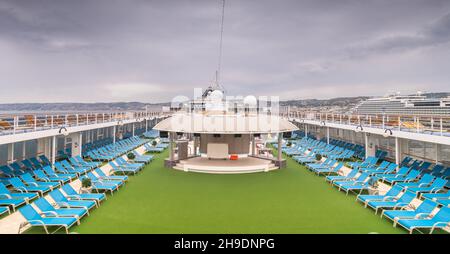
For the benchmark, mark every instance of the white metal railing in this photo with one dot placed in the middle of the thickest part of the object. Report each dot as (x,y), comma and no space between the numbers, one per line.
(14,124)
(434,125)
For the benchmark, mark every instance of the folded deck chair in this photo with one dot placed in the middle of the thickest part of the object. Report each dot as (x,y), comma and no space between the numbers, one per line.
(440,220)
(36,220)
(50,211)
(94,178)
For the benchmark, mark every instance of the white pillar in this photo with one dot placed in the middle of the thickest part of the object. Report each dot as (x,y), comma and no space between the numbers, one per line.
(280,138)
(366,144)
(171,151)
(114,134)
(132,130)
(24,150)
(306,130)
(53,150)
(146,125)
(397,151)
(328,135)
(10,153)
(253,145)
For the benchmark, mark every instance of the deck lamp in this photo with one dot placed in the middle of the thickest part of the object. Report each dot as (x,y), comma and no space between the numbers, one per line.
(387,133)
(359,128)
(63,131)
(323,123)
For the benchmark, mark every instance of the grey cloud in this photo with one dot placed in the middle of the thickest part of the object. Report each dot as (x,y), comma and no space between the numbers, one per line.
(111,50)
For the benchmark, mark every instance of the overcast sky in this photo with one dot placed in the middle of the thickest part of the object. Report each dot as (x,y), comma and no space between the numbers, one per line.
(150,51)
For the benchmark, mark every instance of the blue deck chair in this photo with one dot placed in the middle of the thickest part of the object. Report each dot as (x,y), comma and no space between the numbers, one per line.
(444,202)
(36,163)
(36,220)
(391,193)
(63,201)
(18,185)
(42,176)
(29,180)
(28,164)
(4,209)
(94,178)
(121,161)
(436,170)
(436,186)
(142,158)
(50,211)
(440,220)
(393,203)
(45,160)
(122,169)
(330,170)
(60,168)
(405,161)
(436,196)
(91,163)
(401,172)
(383,165)
(411,176)
(103,176)
(70,167)
(104,186)
(425,180)
(7,171)
(424,209)
(73,194)
(20,195)
(351,175)
(13,202)
(50,172)
(78,164)
(17,168)
(360,184)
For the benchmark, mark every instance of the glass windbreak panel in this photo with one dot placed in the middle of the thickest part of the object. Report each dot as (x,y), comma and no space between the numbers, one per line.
(416,149)
(444,155)
(3,154)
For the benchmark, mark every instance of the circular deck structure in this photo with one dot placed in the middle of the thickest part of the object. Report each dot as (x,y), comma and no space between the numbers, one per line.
(221,142)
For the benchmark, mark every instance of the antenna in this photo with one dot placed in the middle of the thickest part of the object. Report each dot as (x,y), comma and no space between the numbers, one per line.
(219,64)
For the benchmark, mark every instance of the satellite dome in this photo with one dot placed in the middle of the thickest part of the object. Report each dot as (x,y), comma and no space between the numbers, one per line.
(216,95)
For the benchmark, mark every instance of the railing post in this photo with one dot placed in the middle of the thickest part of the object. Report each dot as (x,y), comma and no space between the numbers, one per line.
(77,119)
(51,124)
(441,126)
(35,123)
(417,125)
(399,123)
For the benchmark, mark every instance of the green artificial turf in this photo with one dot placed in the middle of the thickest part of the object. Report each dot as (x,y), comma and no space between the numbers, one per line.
(291,200)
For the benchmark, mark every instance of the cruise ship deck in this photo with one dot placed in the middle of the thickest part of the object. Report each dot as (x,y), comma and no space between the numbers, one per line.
(41,157)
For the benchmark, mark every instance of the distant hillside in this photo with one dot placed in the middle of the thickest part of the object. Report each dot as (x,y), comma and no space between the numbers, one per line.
(342,102)
(79,107)
(130,106)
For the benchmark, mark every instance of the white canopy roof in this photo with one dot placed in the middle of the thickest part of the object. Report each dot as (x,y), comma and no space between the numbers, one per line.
(225,123)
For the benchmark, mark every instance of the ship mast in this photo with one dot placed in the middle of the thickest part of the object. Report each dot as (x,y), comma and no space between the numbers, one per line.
(219,63)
